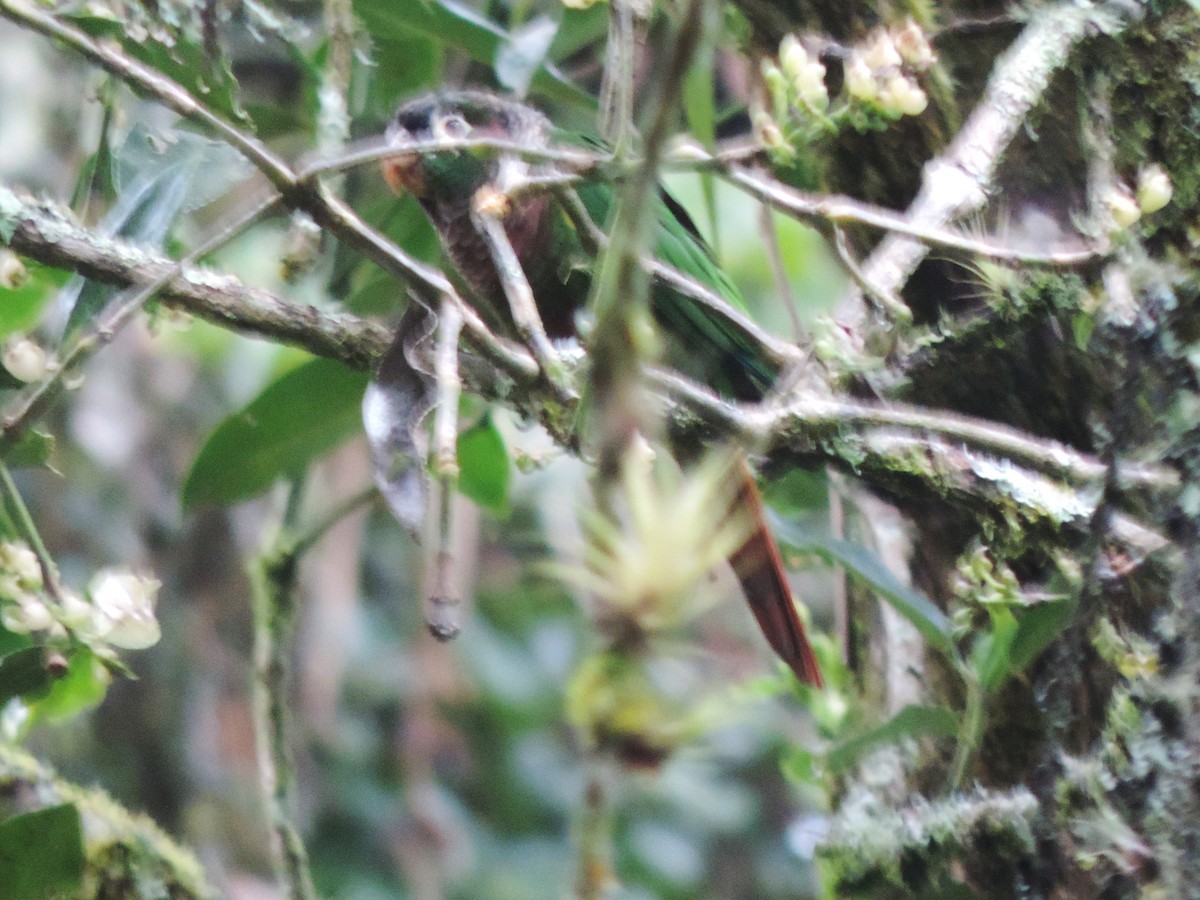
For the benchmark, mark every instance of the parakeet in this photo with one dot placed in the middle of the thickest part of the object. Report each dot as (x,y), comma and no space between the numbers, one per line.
(699,342)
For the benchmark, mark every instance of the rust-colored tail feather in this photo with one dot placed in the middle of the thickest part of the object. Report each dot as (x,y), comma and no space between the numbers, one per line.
(759,568)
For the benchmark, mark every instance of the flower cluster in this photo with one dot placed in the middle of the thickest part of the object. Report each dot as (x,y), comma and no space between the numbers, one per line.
(119,611)
(880,85)
(880,72)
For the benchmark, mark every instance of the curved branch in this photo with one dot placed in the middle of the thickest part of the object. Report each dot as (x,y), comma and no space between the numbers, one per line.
(841,431)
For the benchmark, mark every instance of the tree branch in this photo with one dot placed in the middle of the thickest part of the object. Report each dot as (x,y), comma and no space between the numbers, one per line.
(803,424)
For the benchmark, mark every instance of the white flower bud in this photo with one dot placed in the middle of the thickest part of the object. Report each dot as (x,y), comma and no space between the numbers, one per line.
(10,587)
(1154,189)
(28,615)
(13,273)
(124,608)
(17,560)
(1122,207)
(881,53)
(793,58)
(913,46)
(683,148)
(579,4)
(809,85)
(24,359)
(76,613)
(770,135)
(860,81)
(901,96)
(914,101)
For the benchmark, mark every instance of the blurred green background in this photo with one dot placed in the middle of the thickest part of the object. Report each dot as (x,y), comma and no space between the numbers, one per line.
(426,770)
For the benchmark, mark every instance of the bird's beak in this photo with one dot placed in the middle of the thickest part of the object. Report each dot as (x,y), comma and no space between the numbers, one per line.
(403,172)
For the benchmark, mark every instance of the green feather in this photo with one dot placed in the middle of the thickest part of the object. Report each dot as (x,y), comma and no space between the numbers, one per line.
(703,345)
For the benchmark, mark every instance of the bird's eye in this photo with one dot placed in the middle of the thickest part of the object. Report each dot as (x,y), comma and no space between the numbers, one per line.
(451,127)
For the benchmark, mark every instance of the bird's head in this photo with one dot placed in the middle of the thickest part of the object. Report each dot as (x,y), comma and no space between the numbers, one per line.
(453,175)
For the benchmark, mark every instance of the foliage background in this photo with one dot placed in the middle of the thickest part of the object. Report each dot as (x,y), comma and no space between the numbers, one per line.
(1009,425)
(425,770)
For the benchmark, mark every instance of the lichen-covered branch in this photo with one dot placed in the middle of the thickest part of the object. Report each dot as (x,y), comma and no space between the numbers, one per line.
(273,580)
(818,428)
(124,850)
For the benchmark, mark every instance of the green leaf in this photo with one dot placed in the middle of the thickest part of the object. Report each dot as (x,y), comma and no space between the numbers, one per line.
(33,448)
(41,854)
(578,29)
(402,66)
(912,721)
(798,491)
(1038,626)
(11,642)
(860,562)
(518,58)
(800,767)
(455,25)
(82,687)
(700,107)
(185,61)
(21,309)
(991,654)
(24,674)
(485,474)
(295,420)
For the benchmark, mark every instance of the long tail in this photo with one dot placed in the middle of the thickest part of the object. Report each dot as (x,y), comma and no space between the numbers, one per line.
(759,568)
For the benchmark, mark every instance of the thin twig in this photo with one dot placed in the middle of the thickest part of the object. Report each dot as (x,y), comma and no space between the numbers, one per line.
(29,531)
(616,89)
(594,877)
(808,417)
(490,226)
(783,284)
(45,233)
(574,161)
(886,301)
(333,119)
(443,605)
(829,209)
(304,540)
(273,581)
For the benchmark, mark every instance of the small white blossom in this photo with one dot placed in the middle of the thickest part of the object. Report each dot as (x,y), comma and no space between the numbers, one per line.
(124,608)
(1154,189)
(25,359)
